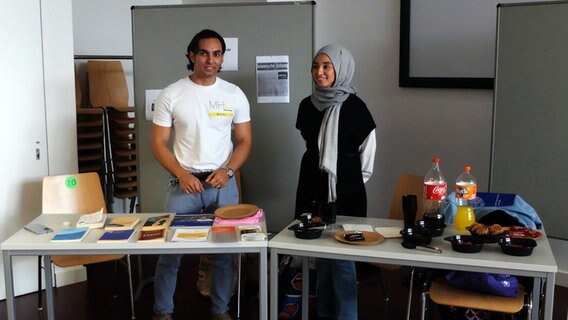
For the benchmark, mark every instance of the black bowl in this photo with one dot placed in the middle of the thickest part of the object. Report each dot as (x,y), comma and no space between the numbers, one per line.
(416,236)
(435,221)
(465,243)
(487,238)
(307,230)
(517,246)
(434,227)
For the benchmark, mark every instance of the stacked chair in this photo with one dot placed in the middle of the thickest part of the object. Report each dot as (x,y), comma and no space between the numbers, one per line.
(108,91)
(91,142)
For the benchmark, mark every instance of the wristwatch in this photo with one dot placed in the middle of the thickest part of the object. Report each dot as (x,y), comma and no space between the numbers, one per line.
(230,172)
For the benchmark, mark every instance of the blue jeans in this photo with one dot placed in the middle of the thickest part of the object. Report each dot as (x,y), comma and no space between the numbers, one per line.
(165,276)
(337,289)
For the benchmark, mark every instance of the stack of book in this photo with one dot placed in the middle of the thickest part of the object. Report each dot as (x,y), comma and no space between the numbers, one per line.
(119,229)
(192,227)
(155,229)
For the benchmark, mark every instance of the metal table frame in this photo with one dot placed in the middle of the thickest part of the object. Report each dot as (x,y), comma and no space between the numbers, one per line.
(540,266)
(25,243)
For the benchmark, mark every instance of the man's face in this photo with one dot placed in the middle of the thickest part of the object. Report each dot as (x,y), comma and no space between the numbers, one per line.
(207,60)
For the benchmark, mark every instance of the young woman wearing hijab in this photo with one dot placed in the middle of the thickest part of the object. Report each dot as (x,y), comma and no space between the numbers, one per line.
(339,132)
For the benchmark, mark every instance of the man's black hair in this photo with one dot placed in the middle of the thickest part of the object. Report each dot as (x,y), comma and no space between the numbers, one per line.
(193,46)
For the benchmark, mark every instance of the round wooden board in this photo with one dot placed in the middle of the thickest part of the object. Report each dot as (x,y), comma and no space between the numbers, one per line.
(236,211)
(370,238)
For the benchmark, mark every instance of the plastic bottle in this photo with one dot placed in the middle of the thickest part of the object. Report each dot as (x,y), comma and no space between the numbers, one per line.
(466,192)
(466,187)
(435,188)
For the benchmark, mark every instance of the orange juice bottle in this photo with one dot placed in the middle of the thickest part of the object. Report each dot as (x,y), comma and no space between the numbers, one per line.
(466,192)
(464,217)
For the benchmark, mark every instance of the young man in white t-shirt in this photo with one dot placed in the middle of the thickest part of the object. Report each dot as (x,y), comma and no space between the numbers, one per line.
(200,111)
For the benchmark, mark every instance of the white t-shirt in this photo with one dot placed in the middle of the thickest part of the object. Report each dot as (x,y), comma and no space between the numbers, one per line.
(202,118)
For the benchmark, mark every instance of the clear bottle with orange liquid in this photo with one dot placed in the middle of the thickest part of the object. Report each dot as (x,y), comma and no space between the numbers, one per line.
(466,192)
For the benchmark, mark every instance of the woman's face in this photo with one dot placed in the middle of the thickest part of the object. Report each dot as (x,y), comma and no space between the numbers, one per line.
(323,71)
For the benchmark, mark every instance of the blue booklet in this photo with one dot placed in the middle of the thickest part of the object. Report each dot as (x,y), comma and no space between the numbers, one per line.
(193,220)
(116,236)
(70,234)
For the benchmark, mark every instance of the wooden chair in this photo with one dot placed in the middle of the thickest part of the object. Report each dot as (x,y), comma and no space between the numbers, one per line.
(108,90)
(443,293)
(77,193)
(407,184)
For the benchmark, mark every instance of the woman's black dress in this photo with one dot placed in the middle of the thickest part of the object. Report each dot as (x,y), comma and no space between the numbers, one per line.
(355,124)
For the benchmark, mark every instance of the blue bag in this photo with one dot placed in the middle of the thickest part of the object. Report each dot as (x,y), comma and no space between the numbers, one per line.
(498,284)
(511,204)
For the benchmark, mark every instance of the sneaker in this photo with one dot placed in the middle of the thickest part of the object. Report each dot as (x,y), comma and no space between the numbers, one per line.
(223,316)
(167,316)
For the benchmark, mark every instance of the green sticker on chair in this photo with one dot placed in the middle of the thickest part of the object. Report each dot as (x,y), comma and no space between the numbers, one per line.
(71,182)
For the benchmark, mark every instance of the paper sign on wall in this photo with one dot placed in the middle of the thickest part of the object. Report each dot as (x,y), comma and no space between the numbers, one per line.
(231,57)
(273,79)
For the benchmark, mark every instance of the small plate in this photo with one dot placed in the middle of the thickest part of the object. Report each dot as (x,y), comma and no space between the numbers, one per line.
(236,211)
(370,238)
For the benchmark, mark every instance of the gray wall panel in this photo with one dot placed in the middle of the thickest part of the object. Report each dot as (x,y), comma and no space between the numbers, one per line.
(161,35)
(530,151)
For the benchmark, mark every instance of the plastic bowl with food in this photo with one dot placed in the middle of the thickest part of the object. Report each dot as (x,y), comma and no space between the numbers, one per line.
(307,230)
(435,228)
(416,236)
(517,246)
(465,243)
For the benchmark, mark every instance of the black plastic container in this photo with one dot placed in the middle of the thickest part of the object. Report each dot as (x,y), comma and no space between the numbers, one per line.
(465,243)
(416,236)
(307,230)
(517,246)
(434,227)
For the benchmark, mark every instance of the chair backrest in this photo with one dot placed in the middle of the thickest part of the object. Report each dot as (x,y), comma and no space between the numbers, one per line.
(107,84)
(72,193)
(407,184)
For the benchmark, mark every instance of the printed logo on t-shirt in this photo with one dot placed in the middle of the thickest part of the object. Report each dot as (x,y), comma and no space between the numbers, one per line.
(220,109)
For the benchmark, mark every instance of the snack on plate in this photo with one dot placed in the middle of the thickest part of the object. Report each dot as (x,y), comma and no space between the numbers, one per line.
(523,232)
(483,230)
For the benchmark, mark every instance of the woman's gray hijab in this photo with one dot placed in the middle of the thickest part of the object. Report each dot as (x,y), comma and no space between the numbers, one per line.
(330,99)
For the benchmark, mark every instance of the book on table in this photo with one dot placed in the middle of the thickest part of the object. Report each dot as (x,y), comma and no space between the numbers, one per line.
(192,220)
(122,222)
(157,222)
(70,234)
(223,233)
(191,234)
(116,235)
(95,220)
(251,232)
(154,235)
(155,228)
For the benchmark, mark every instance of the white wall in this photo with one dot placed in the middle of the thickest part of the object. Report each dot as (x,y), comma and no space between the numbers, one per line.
(413,124)
(38,108)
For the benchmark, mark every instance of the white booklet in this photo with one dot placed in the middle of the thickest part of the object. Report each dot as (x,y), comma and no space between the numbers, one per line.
(93,220)
(358,227)
(190,234)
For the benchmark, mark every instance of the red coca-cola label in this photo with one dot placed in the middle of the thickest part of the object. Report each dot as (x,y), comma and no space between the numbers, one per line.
(435,191)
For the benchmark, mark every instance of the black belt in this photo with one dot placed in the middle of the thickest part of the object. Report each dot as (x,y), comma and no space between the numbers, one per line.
(201,175)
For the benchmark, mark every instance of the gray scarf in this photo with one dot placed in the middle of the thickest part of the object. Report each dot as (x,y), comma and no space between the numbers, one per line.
(330,100)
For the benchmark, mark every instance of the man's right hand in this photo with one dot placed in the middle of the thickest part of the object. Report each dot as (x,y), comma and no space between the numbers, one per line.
(190,184)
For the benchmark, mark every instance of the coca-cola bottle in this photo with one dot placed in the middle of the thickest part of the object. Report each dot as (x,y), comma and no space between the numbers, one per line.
(435,187)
